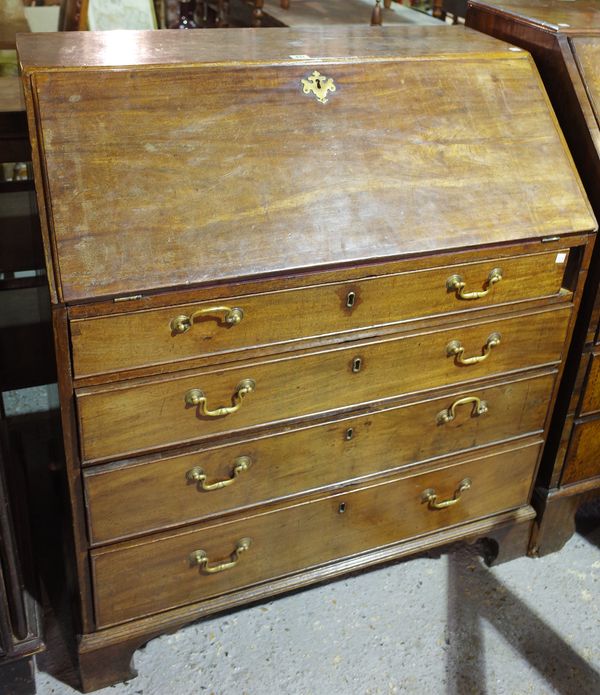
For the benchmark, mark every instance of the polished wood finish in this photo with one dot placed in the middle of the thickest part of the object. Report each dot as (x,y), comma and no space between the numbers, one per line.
(105,656)
(104,343)
(101,50)
(107,253)
(584,453)
(284,209)
(136,418)
(302,535)
(156,493)
(564,39)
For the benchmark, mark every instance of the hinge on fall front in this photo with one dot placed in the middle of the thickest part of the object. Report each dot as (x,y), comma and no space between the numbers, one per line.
(131,298)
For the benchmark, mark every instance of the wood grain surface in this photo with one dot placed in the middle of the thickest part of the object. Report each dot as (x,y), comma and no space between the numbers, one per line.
(129,418)
(142,338)
(295,182)
(302,535)
(74,50)
(156,493)
(556,15)
(583,457)
(564,39)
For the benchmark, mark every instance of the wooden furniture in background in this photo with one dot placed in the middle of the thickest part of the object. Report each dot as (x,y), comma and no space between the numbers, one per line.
(456,9)
(73,15)
(564,39)
(333,12)
(26,346)
(333,334)
(26,359)
(20,629)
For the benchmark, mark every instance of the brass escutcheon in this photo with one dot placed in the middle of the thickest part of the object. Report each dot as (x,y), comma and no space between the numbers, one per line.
(318,85)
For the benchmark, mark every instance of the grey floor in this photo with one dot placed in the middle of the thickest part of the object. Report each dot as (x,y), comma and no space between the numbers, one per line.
(432,624)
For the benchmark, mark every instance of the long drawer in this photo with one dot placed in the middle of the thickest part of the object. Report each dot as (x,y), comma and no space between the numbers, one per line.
(145,577)
(161,492)
(131,418)
(135,339)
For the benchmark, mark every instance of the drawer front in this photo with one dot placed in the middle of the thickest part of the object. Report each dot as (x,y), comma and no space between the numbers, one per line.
(130,419)
(156,574)
(591,396)
(162,493)
(143,338)
(583,457)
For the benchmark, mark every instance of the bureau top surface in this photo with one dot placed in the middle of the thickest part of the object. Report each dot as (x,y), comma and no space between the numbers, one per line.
(174,159)
(105,49)
(569,16)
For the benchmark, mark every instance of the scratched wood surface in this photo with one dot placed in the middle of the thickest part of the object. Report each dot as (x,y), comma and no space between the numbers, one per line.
(302,535)
(135,417)
(90,50)
(152,192)
(103,344)
(156,493)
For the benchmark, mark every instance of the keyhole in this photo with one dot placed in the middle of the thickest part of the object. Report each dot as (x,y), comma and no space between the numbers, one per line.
(350,299)
(349,433)
(342,508)
(318,84)
(356,364)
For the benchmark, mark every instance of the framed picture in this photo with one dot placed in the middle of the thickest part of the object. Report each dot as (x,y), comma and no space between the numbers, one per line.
(120,14)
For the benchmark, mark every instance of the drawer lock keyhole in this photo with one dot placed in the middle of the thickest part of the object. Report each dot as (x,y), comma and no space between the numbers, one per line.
(356,364)
(350,299)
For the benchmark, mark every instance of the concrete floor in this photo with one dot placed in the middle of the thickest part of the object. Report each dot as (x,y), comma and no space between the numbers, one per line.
(431,624)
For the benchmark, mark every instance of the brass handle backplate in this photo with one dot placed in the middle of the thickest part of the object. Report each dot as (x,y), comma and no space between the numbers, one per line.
(200,558)
(196,397)
(456,283)
(479,408)
(455,349)
(430,496)
(183,323)
(197,474)
(318,85)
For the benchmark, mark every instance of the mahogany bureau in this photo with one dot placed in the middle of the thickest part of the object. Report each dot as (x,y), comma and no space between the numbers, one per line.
(564,39)
(312,291)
